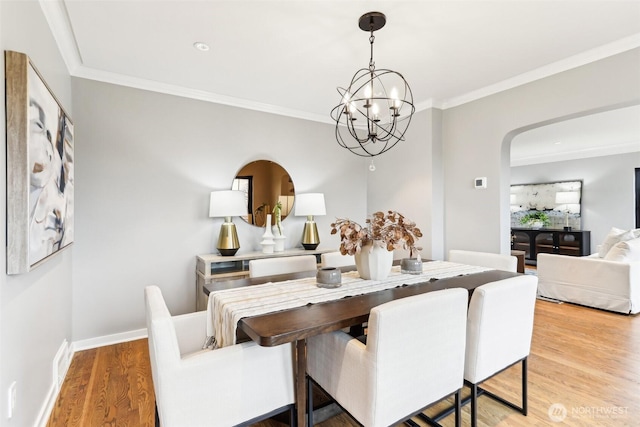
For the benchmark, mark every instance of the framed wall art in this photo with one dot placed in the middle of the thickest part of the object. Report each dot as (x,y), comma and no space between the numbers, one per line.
(39,168)
(561,201)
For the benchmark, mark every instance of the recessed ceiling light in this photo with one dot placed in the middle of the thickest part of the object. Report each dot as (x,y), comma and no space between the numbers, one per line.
(557,143)
(201,46)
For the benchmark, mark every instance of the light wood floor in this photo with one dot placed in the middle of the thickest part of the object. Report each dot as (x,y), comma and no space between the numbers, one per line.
(583,360)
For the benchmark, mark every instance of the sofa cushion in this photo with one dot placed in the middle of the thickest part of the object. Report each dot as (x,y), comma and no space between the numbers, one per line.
(627,251)
(615,236)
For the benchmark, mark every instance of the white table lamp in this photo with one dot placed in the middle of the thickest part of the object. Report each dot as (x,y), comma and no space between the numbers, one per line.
(308,205)
(567,198)
(226,204)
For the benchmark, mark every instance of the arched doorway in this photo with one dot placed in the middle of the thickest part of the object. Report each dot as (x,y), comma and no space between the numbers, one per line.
(583,146)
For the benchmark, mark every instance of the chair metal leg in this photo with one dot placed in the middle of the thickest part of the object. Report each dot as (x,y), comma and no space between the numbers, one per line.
(458,409)
(293,422)
(474,404)
(524,386)
(309,402)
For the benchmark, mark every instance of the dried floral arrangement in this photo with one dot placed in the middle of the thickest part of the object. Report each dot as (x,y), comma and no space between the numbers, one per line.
(390,230)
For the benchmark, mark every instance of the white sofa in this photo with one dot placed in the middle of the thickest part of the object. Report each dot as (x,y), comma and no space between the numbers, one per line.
(484,259)
(590,281)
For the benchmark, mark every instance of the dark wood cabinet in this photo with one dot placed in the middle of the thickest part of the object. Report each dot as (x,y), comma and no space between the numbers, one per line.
(533,242)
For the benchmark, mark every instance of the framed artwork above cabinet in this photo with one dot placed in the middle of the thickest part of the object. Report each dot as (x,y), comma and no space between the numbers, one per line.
(560,200)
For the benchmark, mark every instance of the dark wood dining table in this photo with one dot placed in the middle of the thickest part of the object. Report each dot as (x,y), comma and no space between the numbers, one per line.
(297,324)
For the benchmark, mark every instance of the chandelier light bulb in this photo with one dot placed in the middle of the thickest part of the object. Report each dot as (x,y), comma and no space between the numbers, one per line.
(375,110)
(372,167)
(395,102)
(352,109)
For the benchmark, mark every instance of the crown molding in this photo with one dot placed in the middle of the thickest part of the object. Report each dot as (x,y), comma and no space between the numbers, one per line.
(575,61)
(629,147)
(58,19)
(154,86)
(429,103)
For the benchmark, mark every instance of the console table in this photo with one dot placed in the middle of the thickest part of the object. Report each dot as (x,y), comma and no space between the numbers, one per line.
(212,268)
(544,240)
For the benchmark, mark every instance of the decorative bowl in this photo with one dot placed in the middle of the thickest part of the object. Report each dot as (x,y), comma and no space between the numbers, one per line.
(329,277)
(411,266)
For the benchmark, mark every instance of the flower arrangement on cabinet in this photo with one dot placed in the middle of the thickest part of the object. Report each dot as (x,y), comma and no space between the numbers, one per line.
(537,216)
(390,230)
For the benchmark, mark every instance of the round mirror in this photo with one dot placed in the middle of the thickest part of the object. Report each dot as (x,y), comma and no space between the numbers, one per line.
(265,183)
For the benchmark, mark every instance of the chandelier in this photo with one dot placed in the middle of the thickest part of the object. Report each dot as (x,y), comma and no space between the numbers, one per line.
(377,106)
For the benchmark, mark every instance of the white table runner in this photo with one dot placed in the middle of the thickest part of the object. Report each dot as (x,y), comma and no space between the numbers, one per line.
(227,307)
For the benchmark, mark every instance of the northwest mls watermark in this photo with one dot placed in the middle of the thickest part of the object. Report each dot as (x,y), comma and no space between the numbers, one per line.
(558,412)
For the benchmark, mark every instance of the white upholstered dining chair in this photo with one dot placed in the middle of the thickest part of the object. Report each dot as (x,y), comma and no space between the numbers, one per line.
(484,259)
(414,356)
(282,265)
(235,385)
(336,259)
(499,331)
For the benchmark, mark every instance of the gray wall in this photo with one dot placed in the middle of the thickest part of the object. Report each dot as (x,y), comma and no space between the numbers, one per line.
(145,165)
(409,179)
(477,137)
(35,308)
(608,192)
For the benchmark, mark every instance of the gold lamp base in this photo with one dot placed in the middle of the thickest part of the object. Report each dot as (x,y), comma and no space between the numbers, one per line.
(228,243)
(310,238)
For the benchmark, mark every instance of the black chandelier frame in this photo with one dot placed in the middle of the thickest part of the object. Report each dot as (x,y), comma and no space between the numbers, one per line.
(368,85)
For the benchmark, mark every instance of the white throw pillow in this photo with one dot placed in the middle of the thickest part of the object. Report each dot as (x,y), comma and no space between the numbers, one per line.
(616,235)
(627,251)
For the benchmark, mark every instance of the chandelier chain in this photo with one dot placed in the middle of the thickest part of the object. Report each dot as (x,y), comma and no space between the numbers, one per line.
(372,64)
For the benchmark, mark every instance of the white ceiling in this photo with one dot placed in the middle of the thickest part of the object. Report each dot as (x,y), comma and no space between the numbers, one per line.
(288,57)
(607,133)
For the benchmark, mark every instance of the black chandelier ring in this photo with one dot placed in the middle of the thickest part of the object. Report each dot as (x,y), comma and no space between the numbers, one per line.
(377,106)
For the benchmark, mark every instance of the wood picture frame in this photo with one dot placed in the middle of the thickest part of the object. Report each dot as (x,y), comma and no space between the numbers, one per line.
(40,162)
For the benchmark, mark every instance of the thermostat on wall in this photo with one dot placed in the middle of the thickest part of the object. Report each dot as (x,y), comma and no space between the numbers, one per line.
(481,182)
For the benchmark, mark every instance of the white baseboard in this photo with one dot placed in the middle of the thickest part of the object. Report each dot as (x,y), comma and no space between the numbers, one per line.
(59,367)
(45,411)
(61,363)
(109,340)
(62,360)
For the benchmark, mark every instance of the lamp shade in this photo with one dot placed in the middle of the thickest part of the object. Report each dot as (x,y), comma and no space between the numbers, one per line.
(567,197)
(310,204)
(227,203)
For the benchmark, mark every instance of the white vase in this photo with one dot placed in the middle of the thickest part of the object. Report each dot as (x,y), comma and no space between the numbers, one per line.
(278,243)
(279,238)
(374,262)
(268,243)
